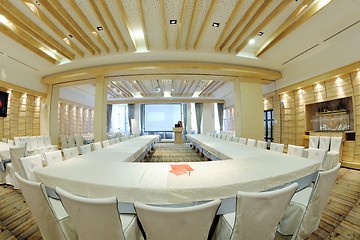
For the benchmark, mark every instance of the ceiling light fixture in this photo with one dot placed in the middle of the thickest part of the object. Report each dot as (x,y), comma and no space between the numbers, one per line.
(251,41)
(173,21)
(38,3)
(157,88)
(100,28)
(216,24)
(260,33)
(71,36)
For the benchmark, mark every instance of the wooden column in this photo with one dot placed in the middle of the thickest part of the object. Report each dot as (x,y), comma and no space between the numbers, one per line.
(100,109)
(249,113)
(53,113)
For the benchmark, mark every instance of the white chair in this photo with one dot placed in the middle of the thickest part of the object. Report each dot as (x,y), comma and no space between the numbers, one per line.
(105,143)
(11,142)
(32,146)
(335,144)
(117,140)
(314,141)
(235,139)
(15,154)
(324,143)
(29,164)
(84,149)
(41,142)
(112,141)
(48,145)
(98,218)
(70,152)
(164,223)
(17,141)
(63,141)
(53,222)
(242,141)
(251,142)
(70,141)
(295,150)
(277,147)
(257,213)
(302,216)
(79,140)
(53,157)
(95,146)
(261,144)
(317,154)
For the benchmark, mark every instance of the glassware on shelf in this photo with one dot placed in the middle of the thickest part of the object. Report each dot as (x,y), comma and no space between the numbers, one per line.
(331,121)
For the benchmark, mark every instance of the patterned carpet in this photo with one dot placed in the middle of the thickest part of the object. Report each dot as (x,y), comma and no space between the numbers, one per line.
(170,152)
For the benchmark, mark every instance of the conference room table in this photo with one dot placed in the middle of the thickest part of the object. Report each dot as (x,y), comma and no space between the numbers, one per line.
(112,172)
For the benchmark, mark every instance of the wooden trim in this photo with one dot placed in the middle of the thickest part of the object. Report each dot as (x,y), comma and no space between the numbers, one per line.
(306,16)
(247,14)
(163,17)
(21,38)
(208,86)
(216,88)
(113,23)
(253,19)
(126,21)
(97,12)
(181,25)
(281,7)
(170,68)
(58,11)
(142,20)
(90,27)
(135,87)
(191,85)
(17,88)
(205,22)
(352,165)
(164,100)
(289,20)
(229,22)
(193,16)
(18,18)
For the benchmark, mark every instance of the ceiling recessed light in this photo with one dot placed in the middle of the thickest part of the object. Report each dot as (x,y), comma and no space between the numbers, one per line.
(260,33)
(173,21)
(216,24)
(100,28)
(37,2)
(251,41)
(71,36)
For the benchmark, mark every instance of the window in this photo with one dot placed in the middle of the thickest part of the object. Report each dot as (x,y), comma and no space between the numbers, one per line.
(119,118)
(268,125)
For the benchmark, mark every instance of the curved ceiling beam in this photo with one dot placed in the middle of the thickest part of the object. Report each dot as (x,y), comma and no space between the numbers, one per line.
(153,68)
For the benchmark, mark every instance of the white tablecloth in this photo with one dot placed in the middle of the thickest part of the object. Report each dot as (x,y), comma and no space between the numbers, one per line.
(109,172)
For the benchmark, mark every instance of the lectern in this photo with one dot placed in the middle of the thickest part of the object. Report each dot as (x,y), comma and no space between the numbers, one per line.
(178,134)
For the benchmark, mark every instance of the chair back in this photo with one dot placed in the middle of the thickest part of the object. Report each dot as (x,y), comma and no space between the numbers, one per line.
(235,139)
(79,140)
(70,141)
(70,152)
(317,154)
(164,223)
(335,144)
(242,141)
(261,144)
(63,141)
(112,141)
(52,157)
(324,143)
(105,143)
(96,146)
(40,141)
(277,147)
(47,141)
(318,200)
(314,142)
(258,213)
(295,150)
(94,219)
(15,154)
(251,142)
(84,149)
(33,145)
(29,164)
(41,209)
